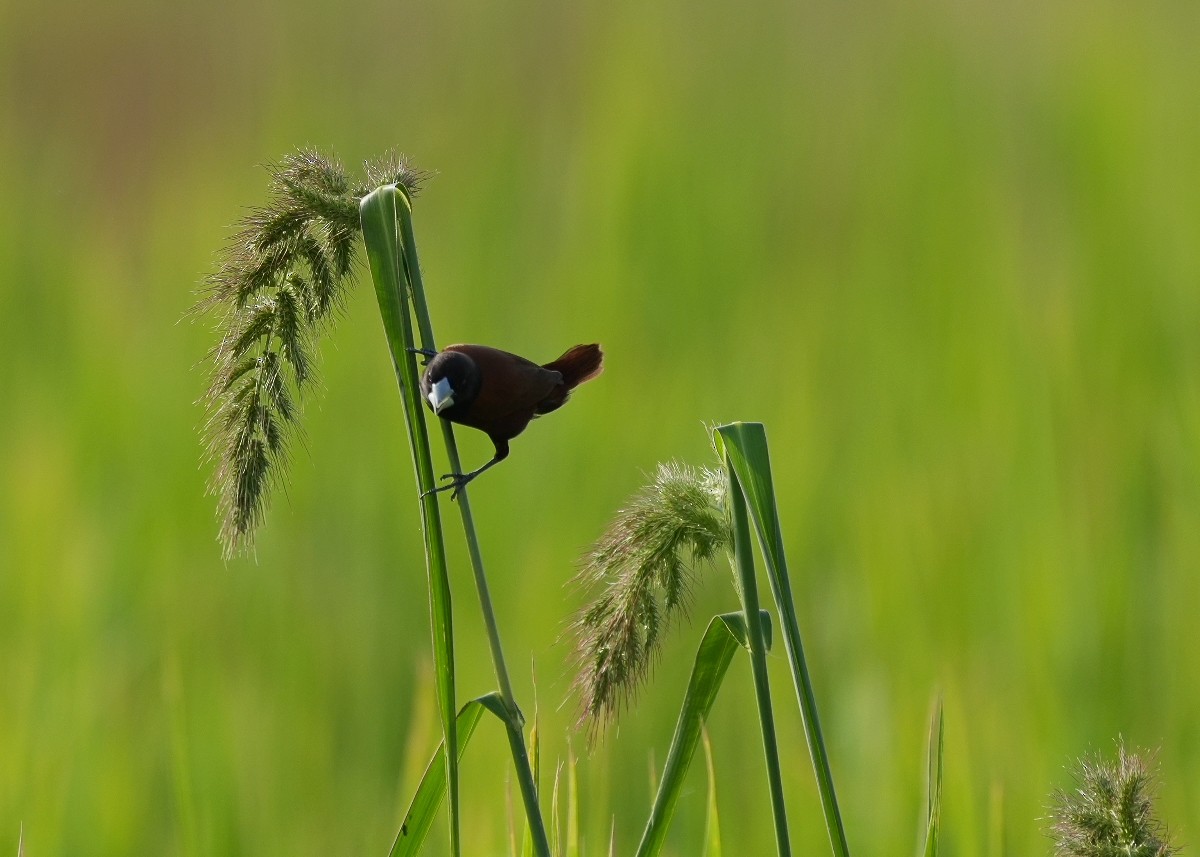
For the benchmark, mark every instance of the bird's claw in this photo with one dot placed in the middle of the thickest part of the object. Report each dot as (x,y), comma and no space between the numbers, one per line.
(458,482)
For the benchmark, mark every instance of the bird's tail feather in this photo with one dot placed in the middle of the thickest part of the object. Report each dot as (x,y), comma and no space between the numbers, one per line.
(579,364)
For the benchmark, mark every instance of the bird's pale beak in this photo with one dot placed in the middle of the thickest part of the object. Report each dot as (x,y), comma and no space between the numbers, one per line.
(441,396)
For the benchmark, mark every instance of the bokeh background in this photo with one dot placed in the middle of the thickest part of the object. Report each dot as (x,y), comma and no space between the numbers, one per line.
(948,251)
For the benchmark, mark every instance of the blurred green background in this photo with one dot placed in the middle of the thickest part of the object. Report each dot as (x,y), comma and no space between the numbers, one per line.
(947,251)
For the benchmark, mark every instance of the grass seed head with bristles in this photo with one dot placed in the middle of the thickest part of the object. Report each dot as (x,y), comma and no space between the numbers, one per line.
(393,168)
(1109,812)
(642,566)
(280,281)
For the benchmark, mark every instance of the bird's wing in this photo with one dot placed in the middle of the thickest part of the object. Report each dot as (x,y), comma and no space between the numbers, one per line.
(510,384)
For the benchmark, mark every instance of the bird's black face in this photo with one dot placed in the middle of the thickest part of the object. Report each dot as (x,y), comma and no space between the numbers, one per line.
(450,384)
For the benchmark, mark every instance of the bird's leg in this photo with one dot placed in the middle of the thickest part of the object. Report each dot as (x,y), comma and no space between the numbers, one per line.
(459,481)
(427,353)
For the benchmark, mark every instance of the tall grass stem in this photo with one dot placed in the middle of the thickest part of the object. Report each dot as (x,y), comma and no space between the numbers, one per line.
(515,720)
(743,555)
(744,447)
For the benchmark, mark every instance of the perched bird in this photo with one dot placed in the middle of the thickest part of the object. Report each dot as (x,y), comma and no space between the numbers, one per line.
(499,393)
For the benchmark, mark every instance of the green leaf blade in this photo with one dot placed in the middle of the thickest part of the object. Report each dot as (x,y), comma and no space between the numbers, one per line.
(724,635)
(378,213)
(933,820)
(424,805)
(712,821)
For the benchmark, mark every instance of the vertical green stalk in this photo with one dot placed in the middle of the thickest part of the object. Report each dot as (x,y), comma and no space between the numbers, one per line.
(378,213)
(743,557)
(515,721)
(744,447)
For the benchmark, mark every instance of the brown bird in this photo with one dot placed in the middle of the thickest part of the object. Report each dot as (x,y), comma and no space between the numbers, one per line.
(499,393)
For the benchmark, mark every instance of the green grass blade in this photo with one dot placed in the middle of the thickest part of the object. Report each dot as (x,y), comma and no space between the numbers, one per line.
(535,755)
(556,828)
(933,821)
(516,740)
(419,818)
(744,446)
(378,213)
(724,635)
(712,822)
(572,849)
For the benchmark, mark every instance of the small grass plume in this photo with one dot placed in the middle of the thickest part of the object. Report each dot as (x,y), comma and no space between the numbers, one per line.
(1109,812)
(642,565)
(280,280)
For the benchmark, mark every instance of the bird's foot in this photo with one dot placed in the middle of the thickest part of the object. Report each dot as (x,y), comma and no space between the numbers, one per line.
(458,481)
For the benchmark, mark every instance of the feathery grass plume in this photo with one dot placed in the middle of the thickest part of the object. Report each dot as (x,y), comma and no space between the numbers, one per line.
(281,279)
(1109,813)
(639,564)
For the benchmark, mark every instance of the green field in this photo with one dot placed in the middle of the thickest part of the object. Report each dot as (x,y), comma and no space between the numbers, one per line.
(949,254)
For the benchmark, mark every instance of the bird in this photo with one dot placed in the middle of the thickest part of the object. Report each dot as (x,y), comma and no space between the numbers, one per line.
(499,393)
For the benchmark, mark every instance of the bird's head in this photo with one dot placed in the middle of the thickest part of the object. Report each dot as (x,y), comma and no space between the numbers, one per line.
(450,382)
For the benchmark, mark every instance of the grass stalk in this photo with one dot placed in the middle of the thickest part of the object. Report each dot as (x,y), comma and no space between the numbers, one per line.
(515,721)
(744,447)
(743,555)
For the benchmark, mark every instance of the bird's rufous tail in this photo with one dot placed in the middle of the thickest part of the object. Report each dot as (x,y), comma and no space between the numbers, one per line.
(579,364)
